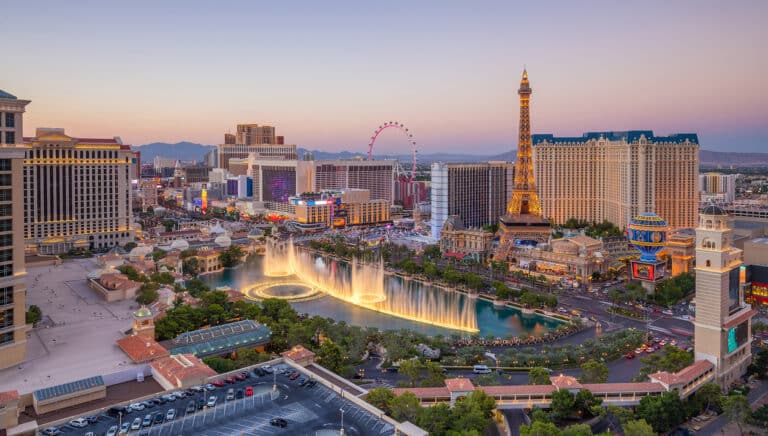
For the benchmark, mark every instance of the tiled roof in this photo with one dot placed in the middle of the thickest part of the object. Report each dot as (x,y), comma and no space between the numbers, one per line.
(629,136)
(518,390)
(180,367)
(8,396)
(459,384)
(565,382)
(298,352)
(68,388)
(600,388)
(685,375)
(424,392)
(141,349)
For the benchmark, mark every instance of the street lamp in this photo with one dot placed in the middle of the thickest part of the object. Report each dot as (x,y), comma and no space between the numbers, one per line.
(341,432)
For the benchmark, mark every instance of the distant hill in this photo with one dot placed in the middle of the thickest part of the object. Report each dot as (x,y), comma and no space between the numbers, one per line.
(180,150)
(193,151)
(725,158)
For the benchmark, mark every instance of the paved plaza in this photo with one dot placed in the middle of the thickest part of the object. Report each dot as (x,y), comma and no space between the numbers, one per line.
(76,338)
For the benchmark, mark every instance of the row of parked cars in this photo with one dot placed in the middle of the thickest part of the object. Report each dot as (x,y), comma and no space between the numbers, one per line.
(192,406)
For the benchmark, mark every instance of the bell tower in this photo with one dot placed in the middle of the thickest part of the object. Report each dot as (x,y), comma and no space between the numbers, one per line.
(723,320)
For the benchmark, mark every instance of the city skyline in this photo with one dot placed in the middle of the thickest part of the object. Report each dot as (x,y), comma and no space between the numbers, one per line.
(328,76)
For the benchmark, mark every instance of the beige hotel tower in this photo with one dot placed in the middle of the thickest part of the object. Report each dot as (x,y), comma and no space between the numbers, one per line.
(723,319)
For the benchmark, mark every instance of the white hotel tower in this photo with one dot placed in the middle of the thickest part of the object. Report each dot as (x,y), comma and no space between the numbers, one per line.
(723,319)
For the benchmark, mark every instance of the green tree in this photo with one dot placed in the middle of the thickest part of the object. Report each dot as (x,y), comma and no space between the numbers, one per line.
(169,225)
(214,297)
(578,430)
(191,266)
(405,407)
(593,372)
(435,375)
(411,368)
(671,359)
(432,252)
(472,412)
(232,256)
(147,293)
(759,364)
(163,278)
(33,315)
(219,364)
(709,396)
(736,410)
(435,419)
(196,287)
(474,281)
(538,376)
(638,428)
(587,404)
(331,356)
(563,404)
(431,271)
(129,246)
(539,428)
(131,273)
(381,398)
(663,411)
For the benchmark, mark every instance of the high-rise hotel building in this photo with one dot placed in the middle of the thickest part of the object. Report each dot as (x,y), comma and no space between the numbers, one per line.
(13,338)
(258,141)
(615,176)
(77,192)
(476,192)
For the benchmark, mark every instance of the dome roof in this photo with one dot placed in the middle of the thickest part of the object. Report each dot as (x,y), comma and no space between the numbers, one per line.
(140,251)
(713,210)
(179,244)
(223,241)
(216,229)
(142,312)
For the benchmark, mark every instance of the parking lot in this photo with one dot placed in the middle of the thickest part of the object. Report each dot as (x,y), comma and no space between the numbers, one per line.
(304,409)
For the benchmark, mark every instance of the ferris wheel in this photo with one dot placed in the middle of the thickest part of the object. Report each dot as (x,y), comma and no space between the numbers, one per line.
(410,175)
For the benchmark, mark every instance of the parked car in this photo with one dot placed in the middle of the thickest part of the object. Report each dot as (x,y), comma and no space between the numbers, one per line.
(230,394)
(240,377)
(117,410)
(259,372)
(248,391)
(111,432)
(191,407)
(158,418)
(79,422)
(137,407)
(93,419)
(311,383)
(53,431)
(278,422)
(197,388)
(148,404)
(209,387)
(630,355)
(201,403)
(239,394)
(136,424)
(125,428)
(302,381)
(211,401)
(169,397)
(170,414)
(218,383)
(147,421)
(294,376)
(267,369)
(229,380)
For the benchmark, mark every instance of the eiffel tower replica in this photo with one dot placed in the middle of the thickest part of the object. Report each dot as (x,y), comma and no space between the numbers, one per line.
(523,223)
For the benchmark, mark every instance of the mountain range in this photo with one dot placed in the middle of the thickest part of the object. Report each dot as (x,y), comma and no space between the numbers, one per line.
(188,151)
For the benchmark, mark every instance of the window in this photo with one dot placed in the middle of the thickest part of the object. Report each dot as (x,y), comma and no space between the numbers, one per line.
(6,296)
(6,338)
(6,240)
(10,137)
(5,180)
(5,164)
(6,225)
(6,318)
(5,195)
(10,119)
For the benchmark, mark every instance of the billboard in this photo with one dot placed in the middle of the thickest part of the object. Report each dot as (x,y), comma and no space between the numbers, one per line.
(278,183)
(648,272)
(737,336)
(734,288)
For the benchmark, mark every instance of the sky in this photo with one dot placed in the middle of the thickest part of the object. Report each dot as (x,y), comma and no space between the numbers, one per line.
(327,74)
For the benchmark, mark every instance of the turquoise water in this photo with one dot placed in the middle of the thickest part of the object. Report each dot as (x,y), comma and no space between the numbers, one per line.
(499,322)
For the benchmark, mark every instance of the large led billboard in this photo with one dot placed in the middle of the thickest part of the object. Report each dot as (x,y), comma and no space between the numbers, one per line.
(647,271)
(737,336)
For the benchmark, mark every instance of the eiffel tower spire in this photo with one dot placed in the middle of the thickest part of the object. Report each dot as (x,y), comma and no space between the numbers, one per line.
(525,200)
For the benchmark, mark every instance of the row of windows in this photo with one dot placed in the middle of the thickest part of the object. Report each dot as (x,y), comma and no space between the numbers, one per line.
(6,270)
(69,154)
(9,119)
(6,338)
(7,137)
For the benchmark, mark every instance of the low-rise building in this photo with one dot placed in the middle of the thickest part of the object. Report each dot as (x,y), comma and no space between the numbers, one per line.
(209,260)
(180,371)
(576,256)
(115,287)
(456,238)
(339,208)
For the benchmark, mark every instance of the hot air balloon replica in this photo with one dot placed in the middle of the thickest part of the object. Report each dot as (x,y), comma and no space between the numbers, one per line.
(647,232)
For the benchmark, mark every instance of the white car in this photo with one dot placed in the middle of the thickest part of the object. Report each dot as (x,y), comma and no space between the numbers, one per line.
(170,414)
(136,424)
(210,387)
(211,401)
(79,422)
(112,431)
(198,388)
(138,407)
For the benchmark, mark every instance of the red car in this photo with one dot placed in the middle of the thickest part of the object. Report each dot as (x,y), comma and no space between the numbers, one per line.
(248,391)
(294,376)
(240,376)
(630,355)
(218,383)
(229,380)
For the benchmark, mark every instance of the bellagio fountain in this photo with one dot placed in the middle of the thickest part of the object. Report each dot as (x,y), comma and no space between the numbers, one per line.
(360,283)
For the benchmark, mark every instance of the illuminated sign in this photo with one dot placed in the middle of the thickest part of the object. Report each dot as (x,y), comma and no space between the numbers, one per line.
(737,336)
(204,200)
(648,271)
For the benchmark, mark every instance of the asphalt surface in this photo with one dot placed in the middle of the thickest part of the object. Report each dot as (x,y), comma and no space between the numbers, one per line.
(306,410)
